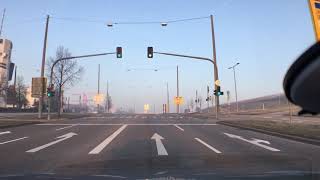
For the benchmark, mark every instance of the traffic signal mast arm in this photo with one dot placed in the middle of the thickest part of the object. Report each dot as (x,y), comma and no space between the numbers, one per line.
(186,56)
(74,57)
(68,58)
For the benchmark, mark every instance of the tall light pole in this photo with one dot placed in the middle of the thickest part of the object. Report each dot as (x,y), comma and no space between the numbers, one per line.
(235,83)
(2,20)
(98,105)
(168,106)
(178,106)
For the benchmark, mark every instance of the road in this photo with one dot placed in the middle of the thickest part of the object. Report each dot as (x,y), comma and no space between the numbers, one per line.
(139,146)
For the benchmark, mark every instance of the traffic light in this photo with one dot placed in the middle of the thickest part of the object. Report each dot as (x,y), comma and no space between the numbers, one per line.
(50,91)
(218,91)
(119,52)
(150,52)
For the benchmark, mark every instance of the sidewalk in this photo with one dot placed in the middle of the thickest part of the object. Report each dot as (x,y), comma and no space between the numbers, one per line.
(20,119)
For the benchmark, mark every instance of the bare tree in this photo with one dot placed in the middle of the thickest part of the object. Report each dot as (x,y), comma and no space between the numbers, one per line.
(66,73)
(21,93)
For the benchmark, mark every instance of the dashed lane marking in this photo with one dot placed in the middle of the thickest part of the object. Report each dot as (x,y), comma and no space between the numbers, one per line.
(179,127)
(208,146)
(73,125)
(107,141)
(13,140)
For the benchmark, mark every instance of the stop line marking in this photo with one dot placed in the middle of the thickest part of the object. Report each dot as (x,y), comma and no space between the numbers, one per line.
(121,124)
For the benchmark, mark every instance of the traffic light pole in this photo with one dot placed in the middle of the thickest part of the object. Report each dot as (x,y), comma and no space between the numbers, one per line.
(199,58)
(68,58)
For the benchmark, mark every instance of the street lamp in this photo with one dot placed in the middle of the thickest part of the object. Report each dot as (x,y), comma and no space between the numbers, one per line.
(235,83)
(164,24)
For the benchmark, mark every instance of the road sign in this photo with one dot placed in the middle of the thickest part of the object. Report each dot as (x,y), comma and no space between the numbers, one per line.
(315,13)
(178,100)
(37,84)
(217,83)
(98,99)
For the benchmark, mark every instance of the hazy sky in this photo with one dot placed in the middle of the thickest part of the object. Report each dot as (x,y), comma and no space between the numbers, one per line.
(264,36)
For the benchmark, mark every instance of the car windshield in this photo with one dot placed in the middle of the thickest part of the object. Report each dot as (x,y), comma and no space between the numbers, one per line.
(163,89)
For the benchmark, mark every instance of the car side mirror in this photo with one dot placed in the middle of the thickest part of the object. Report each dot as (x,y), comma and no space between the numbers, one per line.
(302,81)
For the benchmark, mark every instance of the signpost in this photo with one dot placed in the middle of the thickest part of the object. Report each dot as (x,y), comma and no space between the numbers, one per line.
(37,86)
(315,15)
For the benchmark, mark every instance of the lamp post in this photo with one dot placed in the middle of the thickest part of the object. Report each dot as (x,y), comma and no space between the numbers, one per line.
(235,83)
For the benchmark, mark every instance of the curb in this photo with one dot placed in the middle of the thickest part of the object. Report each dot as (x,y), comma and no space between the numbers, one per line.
(17,125)
(291,137)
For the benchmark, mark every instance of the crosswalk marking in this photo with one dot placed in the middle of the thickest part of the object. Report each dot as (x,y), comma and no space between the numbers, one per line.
(208,146)
(13,140)
(107,141)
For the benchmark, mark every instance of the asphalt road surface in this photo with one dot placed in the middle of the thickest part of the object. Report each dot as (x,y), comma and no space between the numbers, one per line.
(150,147)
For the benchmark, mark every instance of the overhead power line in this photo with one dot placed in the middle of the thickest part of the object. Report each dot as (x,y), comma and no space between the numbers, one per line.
(128,22)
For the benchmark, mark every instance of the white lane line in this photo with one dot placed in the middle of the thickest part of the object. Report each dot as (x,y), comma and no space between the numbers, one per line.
(207,145)
(108,140)
(5,132)
(120,124)
(60,138)
(160,147)
(179,127)
(66,127)
(12,140)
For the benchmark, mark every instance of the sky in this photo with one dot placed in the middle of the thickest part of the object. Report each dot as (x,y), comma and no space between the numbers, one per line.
(265,37)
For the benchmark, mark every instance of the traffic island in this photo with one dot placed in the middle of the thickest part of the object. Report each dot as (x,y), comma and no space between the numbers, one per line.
(306,133)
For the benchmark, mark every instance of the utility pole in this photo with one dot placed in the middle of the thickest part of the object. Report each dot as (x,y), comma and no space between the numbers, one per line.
(178,108)
(2,20)
(216,77)
(98,106)
(208,98)
(107,104)
(196,99)
(168,106)
(42,66)
(15,84)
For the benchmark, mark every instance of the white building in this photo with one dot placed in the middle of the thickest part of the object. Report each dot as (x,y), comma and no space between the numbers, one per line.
(5,61)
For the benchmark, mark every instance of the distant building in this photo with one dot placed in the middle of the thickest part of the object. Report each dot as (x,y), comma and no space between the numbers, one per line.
(6,69)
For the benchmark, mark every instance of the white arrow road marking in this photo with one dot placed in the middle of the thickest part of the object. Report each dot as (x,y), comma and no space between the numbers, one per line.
(160,147)
(12,140)
(179,127)
(107,141)
(60,138)
(5,132)
(207,145)
(254,141)
(66,127)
